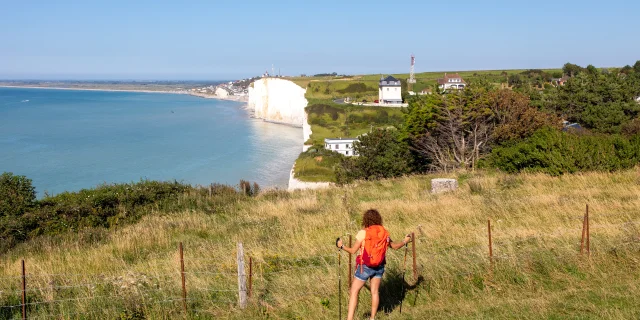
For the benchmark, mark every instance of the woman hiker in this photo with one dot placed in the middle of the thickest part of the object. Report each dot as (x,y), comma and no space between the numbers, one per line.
(372,242)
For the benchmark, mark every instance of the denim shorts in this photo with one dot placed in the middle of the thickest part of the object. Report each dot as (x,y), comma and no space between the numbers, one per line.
(368,272)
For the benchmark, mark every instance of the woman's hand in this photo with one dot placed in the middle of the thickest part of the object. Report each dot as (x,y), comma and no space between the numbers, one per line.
(406,239)
(339,243)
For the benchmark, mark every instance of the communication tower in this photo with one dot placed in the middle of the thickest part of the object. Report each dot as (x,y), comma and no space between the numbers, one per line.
(412,78)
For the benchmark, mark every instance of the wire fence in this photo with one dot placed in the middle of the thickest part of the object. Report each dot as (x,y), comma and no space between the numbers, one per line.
(206,288)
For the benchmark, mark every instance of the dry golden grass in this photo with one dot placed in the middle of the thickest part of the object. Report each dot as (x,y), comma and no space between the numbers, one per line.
(537,271)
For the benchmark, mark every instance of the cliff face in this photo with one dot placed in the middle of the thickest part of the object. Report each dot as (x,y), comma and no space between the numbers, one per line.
(282,101)
(279,101)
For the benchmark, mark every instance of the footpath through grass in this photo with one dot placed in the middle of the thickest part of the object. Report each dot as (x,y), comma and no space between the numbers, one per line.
(133,271)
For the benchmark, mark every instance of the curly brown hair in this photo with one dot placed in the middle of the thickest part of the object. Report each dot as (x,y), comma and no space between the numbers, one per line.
(371,218)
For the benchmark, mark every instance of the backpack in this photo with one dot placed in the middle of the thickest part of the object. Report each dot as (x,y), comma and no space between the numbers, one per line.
(375,247)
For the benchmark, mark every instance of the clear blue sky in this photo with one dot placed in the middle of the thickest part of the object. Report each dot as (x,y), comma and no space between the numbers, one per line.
(217,39)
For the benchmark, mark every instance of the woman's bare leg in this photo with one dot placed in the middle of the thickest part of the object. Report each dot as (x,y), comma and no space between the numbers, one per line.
(353,296)
(375,296)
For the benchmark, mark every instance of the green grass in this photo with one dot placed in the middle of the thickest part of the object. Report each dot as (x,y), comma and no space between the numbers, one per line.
(537,272)
(322,90)
(317,165)
(330,120)
(330,87)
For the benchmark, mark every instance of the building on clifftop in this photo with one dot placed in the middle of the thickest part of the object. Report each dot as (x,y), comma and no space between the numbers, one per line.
(451,81)
(341,145)
(390,91)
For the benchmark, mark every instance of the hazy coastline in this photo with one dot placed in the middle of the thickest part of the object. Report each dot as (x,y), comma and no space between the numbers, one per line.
(187,92)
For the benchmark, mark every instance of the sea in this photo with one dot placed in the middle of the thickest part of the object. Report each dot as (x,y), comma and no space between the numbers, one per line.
(68,140)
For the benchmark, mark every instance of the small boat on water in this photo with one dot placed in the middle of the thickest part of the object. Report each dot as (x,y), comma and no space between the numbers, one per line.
(24,101)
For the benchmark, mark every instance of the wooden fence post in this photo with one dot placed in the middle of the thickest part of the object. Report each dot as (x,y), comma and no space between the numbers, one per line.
(24,292)
(413,252)
(184,286)
(588,235)
(242,278)
(250,276)
(339,287)
(584,230)
(210,190)
(350,273)
(490,242)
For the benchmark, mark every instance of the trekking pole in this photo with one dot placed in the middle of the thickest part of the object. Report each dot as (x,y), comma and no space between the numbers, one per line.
(339,287)
(404,271)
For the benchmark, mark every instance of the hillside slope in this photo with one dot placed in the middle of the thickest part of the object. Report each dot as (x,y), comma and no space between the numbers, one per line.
(134,272)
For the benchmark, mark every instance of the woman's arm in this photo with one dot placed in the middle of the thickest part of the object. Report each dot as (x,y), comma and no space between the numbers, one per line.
(398,245)
(351,250)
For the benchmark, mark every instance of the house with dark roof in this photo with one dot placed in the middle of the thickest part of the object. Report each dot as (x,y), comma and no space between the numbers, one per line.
(451,81)
(389,91)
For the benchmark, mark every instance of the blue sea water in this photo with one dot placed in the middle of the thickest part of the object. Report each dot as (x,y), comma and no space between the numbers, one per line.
(67,140)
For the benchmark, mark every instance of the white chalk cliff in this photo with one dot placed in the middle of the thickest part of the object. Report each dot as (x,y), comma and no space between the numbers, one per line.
(278,100)
(282,101)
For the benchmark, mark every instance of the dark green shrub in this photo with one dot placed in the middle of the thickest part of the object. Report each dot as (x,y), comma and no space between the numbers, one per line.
(554,152)
(89,211)
(381,154)
(17,197)
(321,109)
(356,88)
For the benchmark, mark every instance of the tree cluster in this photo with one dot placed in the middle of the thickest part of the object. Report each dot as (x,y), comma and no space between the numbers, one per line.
(513,129)
(601,101)
(455,130)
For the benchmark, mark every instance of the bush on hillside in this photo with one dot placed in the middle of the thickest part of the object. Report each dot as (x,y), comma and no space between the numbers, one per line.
(17,197)
(357,88)
(23,217)
(455,130)
(318,110)
(381,154)
(554,152)
(317,164)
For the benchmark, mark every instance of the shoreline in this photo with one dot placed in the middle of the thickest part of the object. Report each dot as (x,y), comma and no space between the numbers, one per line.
(243,99)
(293,183)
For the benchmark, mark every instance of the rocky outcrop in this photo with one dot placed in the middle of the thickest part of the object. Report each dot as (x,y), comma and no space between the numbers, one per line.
(443,185)
(278,100)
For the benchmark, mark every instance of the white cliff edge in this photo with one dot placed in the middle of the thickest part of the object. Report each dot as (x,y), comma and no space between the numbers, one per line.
(278,100)
(282,101)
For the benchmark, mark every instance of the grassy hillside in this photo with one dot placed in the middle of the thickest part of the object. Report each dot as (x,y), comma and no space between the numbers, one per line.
(336,87)
(330,120)
(133,272)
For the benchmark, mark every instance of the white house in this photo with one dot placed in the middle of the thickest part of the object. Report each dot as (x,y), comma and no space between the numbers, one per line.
(638,99)
(451,81)
(390,91)
(341,145)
